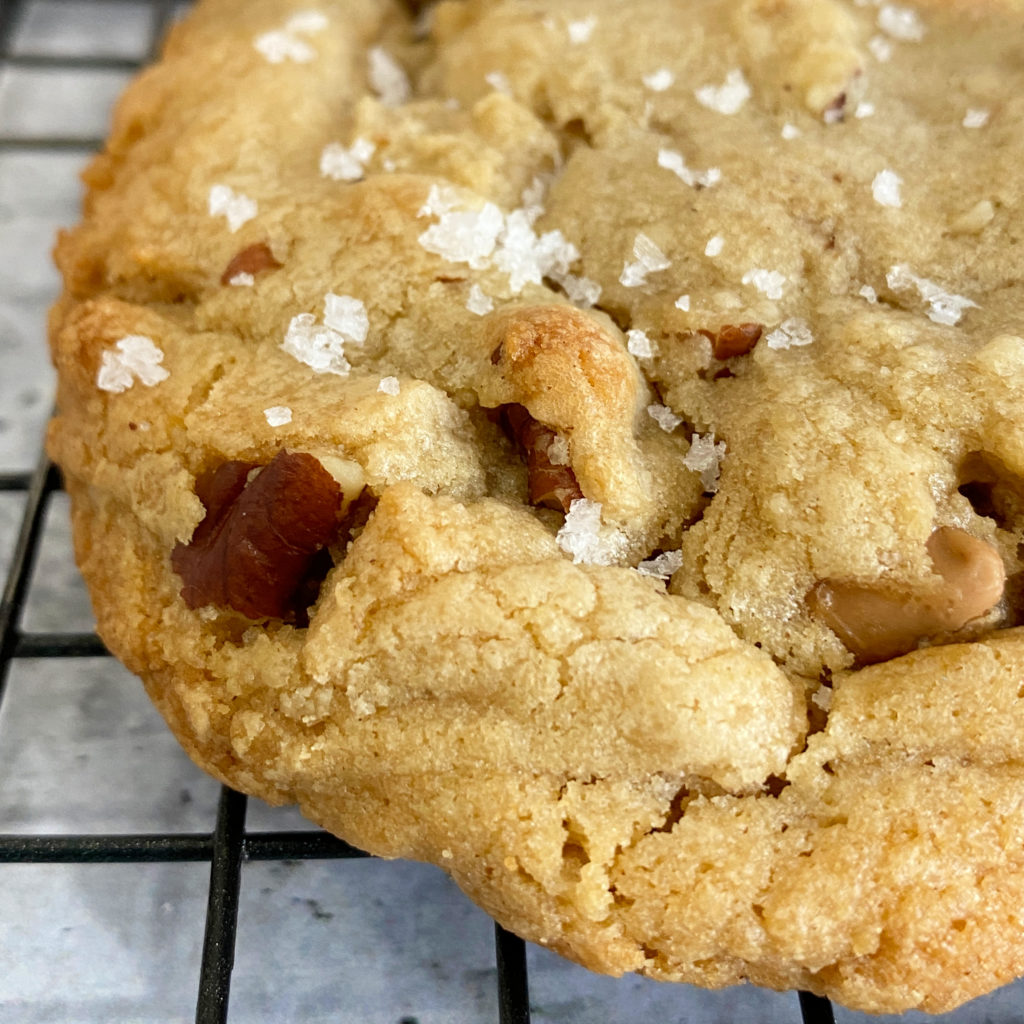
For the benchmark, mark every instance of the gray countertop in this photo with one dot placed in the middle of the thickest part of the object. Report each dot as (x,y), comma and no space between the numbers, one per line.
(83,751)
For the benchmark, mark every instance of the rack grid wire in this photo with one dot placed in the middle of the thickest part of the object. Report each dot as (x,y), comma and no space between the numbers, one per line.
(230,846)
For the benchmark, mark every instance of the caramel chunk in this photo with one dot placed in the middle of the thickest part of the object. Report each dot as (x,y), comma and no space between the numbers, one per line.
(250,260)
(552,484)
(253,550)
(734,339)
(878,621)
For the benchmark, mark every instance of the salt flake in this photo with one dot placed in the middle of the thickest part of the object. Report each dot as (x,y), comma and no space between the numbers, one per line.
(769,282)
(236,207)
(868,293)
(660,80)
(479,302)
(639,344)
(727,98)
(346,163)
(881,49)
(662,566)
(389,386)
(581,31)
(347,316)
(465,236)
(683,303)
(902,23)
(281,45)
(499,82)
(133,357)
(790,132)
(278,415)
(664,417)
(388,78)
(975,118)
(242,280)
(886,189)
(943,307)
(673,161)
(587,539)
(864,109)
(705,457)
(647,259)
(715,246)
(319,347)
(792,333)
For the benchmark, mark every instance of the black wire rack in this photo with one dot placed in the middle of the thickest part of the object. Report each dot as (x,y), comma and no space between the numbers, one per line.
(230,845)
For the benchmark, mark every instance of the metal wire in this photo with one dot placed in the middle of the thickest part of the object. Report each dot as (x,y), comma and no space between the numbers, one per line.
(230,846)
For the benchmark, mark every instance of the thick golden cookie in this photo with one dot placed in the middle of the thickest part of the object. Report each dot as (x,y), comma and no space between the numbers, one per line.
(578,444)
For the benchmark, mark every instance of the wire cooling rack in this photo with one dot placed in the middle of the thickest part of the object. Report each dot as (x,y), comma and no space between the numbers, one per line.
(230,846)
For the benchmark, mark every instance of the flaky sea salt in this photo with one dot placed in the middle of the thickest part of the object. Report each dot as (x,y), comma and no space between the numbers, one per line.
(647,259)
(586,539)
(133,358)
(465,236)
(479,302)
(881,49)
(387,78)
(236,207)
(662,566)
(639,345)
(278,415)
(499,82)
(581,291)
(864,109)
(346,163)
(558,451)
(769,283)
(792,333)
(529,258)
(346,315)
(705,457)
(389,386)
(790,132)
(943,307)
(281,45)
(242,280)
(902,23)
(664,417)
(441,199)
(868,293)
(975,118)
(660,80)
(683,303)
(319,347)
(886,189)
(581,30)
(727,98)
(715,246)
(674,161)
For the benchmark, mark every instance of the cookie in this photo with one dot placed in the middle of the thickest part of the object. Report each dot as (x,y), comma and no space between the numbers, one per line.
(577,445)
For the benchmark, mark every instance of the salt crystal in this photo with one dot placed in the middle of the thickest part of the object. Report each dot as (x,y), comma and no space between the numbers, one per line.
(647,259)
(727,98)
(660,80)
(389,386)
(581,31)
(499,82)
(479,302)
(236,207)
(662,566)
(587,539)
(441,199)
(465,236)
(864,109)
(790,132)
(768,282)
(715,245)
(347,316)
(975,118)
(792,333)
(280,45)
(639,345)
(307,22)
(683,303)
(278,415)
(943,307)
(558,451)
(527,258)
(581,291)
(346,163)
(320,348)
(869,293)
(886,189)
(388,78)
(533,197)
(664,417)
(242,280)
(673,161)
(901,23)
(705,457)
(881,49)
(133,357)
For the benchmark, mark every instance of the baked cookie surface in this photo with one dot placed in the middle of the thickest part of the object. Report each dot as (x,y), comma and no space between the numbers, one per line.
(576,444)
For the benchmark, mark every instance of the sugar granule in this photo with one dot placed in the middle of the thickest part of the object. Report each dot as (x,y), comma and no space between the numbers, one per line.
(479,302)
(639,345)
(347,316)
(133,357)
(944,307)
(902,23)
(389,386)
(674,161)
(387,78)
(664,417)
(727,98)
(346,163)
(239,209)
(975,118)
(769,283)
(242,280)
(705,457)
(319,347)
(715,246)
(581,30)
(792,333)
(886,189)
(587,539)
(662,566)
(647,259)
(278,415)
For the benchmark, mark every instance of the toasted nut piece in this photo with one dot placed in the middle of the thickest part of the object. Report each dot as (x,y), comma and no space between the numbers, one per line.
(878,621)
(250,261)
(552,485)
(734,339)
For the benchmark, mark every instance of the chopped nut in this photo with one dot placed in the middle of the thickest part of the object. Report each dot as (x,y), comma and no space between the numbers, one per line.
(878,621)
(551,484)
(253,550)
(734,339)
(251,260)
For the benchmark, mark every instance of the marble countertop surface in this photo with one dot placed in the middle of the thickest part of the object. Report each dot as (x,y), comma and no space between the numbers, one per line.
(83,751)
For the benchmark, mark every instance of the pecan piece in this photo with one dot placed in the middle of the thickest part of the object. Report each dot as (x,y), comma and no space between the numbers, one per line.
(734,339)
(254,549)
(250,260)
(552,483)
